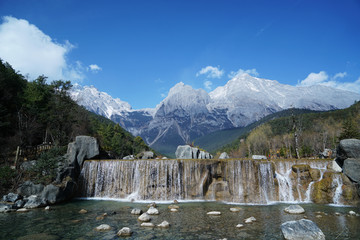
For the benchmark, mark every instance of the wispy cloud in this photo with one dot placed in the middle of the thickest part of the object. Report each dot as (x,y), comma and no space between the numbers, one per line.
(94,68)
(240,72)
(211,72)
(34,53)
(322,78)
(208,85)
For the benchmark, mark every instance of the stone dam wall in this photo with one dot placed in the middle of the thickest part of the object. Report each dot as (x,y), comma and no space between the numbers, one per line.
(239,181)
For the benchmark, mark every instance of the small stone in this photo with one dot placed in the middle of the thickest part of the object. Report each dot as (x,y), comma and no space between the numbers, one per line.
(105,214)
(239,225)
(103,227)
(164,224)
(147,224)
(22,210)
(319,216)
(352,213)
(174,210)
(125,231)
(294,209)
(144,217)
(250,220)
(235,209)
(214,213)
(99,218)
(173,206)
(176,201)
(337,214)
(47,208)
(136,211)
(153,204)
(82,211)
(152,211)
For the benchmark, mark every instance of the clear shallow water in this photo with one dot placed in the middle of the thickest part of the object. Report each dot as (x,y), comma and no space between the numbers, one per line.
(191,222)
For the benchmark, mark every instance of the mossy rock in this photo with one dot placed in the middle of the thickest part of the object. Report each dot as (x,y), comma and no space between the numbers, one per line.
(299,168)
(315,174)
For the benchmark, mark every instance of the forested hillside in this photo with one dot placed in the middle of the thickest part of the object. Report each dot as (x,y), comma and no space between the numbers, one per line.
(216,140)
(315,132)
(37,112)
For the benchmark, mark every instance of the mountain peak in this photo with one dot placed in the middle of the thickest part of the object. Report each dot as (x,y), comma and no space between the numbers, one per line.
(99,102)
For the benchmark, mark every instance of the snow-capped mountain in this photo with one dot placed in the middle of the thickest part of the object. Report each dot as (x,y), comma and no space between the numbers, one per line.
(188,113)
(98,102)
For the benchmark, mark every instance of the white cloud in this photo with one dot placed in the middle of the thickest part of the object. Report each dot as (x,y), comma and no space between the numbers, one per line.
(207,85)
(240,72)
(322,78)
(315,78)
(34,53)
(211,72)
(340,75)
(94,68)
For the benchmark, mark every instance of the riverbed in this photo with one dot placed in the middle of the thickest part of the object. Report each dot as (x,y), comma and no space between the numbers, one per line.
(191,221)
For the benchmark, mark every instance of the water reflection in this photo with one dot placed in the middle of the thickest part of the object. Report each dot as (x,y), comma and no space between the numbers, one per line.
(190,222)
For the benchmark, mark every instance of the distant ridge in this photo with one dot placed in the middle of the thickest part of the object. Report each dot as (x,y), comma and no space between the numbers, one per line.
(187,114)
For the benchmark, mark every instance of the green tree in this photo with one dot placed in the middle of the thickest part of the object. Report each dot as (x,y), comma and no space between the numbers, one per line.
(350,129)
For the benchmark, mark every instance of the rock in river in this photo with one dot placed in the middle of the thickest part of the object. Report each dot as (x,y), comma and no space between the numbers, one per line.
(294,209)
(125,231)
(136,211)
(301,229)
(144,217)
(152,211)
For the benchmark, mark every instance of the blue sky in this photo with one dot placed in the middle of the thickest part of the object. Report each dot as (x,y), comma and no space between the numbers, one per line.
(137,50)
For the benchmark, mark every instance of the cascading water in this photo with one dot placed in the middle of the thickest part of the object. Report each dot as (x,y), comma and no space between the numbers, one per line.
(337,181)
(240,181)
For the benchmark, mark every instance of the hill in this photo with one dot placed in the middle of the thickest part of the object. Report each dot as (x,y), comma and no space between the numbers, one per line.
(315,131)
(34,113)
(216,140)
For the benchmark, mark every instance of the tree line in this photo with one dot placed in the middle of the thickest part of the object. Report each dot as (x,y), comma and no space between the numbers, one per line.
(36,112)
(304,135)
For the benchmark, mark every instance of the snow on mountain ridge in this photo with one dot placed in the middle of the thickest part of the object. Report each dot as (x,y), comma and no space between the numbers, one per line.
(188,113)
(99,102)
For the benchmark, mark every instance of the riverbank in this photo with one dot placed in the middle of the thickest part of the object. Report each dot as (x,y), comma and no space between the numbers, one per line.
(191,221)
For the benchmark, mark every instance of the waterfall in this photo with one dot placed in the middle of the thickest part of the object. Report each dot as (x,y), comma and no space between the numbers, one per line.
(239,181)
(338,183)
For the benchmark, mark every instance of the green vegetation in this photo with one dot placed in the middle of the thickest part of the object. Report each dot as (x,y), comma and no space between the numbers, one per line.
(37,112)
(216,140)
(316,131)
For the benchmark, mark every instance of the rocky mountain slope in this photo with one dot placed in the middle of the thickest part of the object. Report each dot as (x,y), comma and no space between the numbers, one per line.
(188,113)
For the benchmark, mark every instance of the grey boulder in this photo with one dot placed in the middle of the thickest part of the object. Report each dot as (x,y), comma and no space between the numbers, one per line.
(84,147)
(301,229)
(34,201)
(28,188)
(224,155)
(11,197)
(351,168)
(294,209)
(348,148)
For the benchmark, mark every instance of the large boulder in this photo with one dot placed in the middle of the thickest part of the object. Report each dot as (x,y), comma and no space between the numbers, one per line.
(258,157)
(84,147)
(294,209)
(351,169)
(147,155)
(188,152)
(34,201)
(11,197)
(301,229)
(28,188)
(348,148)
(224,155)
(4,208)
(184,152)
